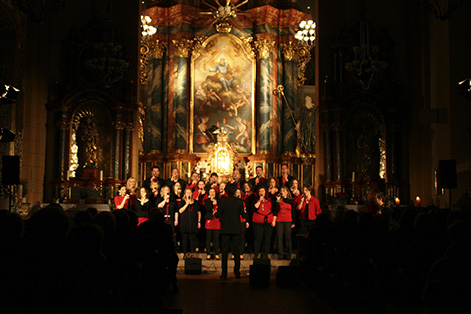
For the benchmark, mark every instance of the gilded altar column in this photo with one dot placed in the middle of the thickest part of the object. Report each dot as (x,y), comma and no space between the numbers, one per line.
(154,101)
(289,105)
(127,150)
(265,95)
(180,93)
(118,130)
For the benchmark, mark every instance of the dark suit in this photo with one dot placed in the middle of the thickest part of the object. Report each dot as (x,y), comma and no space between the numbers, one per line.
(262,182)
(239,184)
(288,183)
(229,211)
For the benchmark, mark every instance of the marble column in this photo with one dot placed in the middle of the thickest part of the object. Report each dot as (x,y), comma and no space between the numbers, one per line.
(289,104)
(180,95)
(265,95)
(154,102)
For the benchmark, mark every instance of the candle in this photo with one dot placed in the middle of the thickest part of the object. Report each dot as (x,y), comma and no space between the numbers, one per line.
(101,175)
(68,175)
(353,176)
(418,200)
(398,201)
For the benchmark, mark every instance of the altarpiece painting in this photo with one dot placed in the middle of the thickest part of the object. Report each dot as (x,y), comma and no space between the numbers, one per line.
(223,84)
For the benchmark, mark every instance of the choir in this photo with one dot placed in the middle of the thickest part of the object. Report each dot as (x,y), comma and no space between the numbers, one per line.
(277,209)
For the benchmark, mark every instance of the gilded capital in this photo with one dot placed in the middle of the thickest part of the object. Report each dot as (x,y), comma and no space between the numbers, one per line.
(198,45)
(183,46)
(264,47)
(289,50)
(119,125)
(158,49)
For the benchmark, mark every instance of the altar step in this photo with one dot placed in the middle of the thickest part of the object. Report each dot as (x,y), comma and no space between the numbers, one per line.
(214,265)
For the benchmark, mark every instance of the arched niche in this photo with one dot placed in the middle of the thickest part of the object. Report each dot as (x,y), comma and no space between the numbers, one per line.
(91,138)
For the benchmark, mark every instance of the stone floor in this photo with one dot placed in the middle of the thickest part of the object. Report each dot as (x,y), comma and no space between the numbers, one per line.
(208,294)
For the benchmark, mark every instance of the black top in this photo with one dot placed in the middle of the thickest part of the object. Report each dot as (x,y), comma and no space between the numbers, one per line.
(143,210)
(170,184)
(189,218)
(239,184)
(288,183)
(261,182)
(147,182)
(208,205)
(229,211)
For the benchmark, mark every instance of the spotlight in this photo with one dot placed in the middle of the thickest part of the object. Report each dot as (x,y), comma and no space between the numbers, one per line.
(6,135)
(8,94)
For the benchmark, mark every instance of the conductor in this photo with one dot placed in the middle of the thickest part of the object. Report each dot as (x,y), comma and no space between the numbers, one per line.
(229,212)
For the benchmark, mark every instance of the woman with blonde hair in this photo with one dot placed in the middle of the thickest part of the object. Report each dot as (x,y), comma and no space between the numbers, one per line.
(188,217)
(132,188)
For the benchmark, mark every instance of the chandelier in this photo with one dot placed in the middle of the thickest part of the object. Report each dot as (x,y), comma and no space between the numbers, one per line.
(108,65)
(306,34)
(147,30)
(366,64)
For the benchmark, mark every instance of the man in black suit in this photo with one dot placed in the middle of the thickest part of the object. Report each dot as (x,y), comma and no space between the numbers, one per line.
(175,178)
(259,180)
(230,210)
(286,179)
(154,177)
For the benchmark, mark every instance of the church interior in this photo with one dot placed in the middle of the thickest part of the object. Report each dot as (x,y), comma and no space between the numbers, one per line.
(99,102)
(356,97)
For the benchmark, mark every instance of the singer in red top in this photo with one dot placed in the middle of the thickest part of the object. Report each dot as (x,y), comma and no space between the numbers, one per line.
(122,199)
(284,223)
(212,224)
(310,208)
(263,221)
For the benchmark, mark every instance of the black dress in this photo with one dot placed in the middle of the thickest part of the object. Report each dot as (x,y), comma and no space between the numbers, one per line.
(189,218)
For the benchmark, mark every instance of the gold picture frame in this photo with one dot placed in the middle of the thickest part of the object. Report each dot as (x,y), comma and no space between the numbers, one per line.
(223,70)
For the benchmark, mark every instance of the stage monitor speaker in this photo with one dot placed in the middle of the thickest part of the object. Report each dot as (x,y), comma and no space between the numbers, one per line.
(447,174)
(259,275)
(10,170)
(193,266)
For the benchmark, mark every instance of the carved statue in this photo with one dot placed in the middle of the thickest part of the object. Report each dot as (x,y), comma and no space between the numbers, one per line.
(306,126)
(90,143)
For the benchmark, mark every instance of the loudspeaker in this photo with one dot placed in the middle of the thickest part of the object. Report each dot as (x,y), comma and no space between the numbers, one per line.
(10,170)
(288,276)
(259,275)
(193,266)
(447,174)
